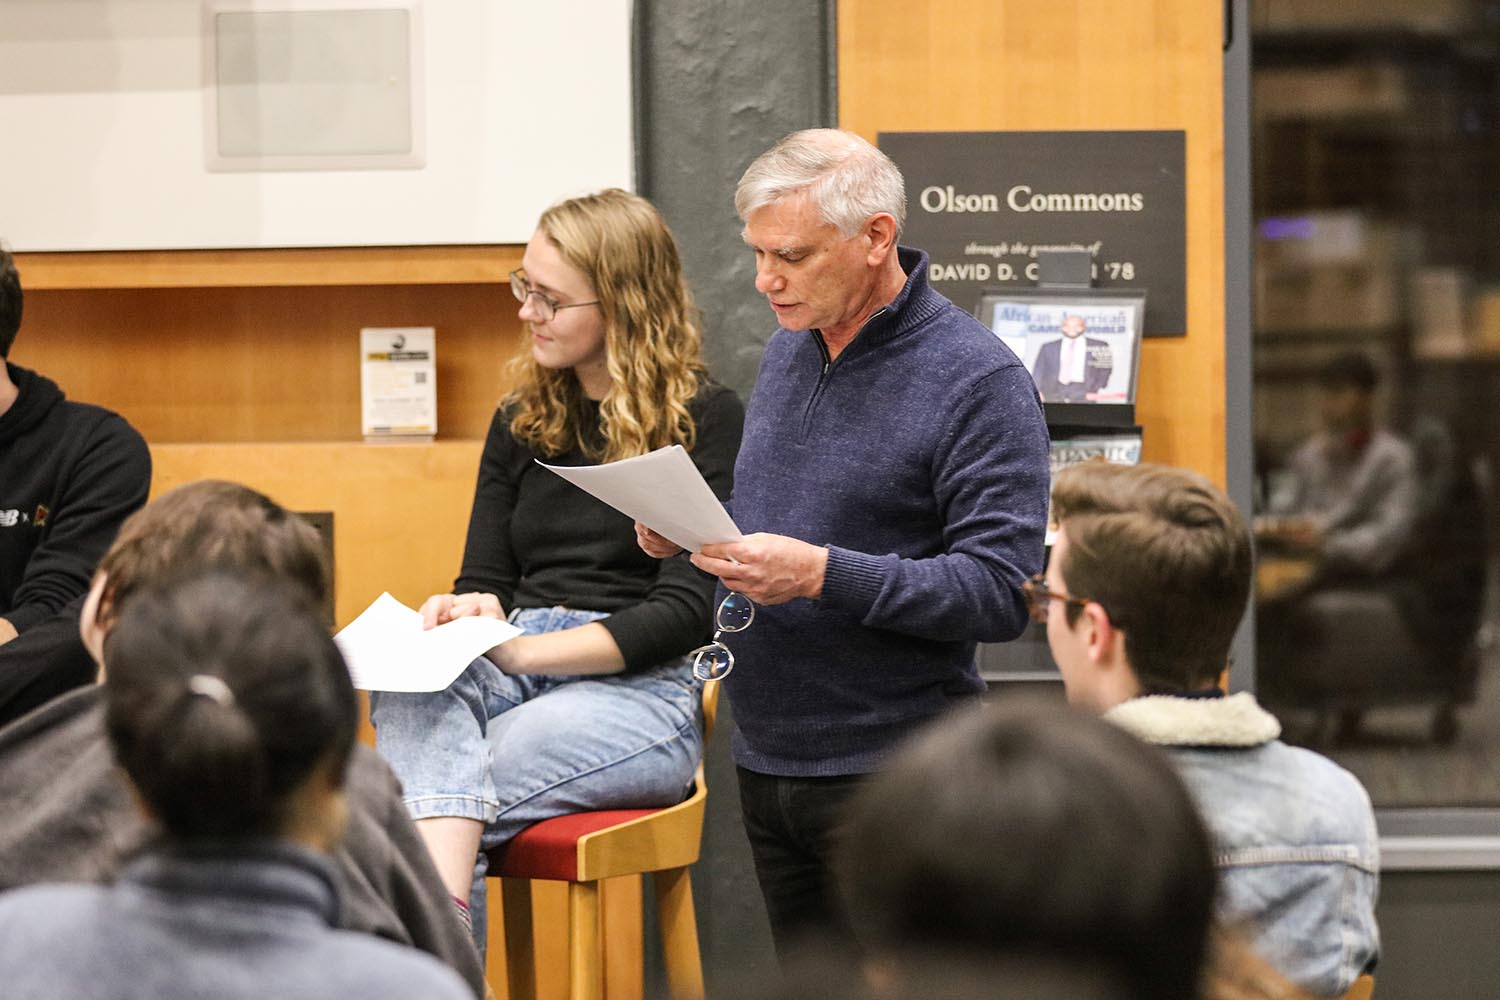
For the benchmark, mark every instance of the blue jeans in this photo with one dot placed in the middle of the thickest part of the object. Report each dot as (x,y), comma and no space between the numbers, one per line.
(511,751)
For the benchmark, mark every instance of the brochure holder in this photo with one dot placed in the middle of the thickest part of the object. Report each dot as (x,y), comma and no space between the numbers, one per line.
(1082,347)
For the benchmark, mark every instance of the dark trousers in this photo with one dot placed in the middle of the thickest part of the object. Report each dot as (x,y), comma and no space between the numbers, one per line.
(794,825)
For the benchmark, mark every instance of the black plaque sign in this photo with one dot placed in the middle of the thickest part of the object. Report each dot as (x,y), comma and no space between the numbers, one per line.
(985,204)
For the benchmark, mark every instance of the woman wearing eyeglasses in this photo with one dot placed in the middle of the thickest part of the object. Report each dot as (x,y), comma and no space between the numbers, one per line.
(595,707)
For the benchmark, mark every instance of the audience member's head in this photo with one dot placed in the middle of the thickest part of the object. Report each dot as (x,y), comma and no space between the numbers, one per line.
(230,708)
(10,302)
(839,173)
(1033,830)
(1349,371)
(218,580)
(1148,579)
(207,525)
(1347,401)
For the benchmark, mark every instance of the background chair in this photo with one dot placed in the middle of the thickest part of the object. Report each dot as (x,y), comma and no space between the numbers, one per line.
(1412,638)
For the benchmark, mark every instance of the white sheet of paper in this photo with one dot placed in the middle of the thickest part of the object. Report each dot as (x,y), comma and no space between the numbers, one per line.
(387,649)
(663,490)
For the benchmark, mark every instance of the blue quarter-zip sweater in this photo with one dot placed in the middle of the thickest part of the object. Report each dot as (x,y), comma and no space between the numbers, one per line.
(919,458)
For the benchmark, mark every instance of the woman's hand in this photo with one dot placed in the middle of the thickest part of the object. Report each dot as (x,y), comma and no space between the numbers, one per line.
(441,608)
(654,545)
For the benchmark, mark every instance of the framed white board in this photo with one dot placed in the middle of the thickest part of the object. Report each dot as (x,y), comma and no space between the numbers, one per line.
(110,144)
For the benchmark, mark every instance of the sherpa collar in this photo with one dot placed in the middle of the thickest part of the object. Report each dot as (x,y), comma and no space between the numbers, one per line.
(1235,721)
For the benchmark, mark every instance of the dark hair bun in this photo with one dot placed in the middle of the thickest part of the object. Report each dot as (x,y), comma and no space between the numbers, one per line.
(212,750)
(222,696)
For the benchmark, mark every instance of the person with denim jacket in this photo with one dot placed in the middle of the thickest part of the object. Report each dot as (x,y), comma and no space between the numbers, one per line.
(1151,568)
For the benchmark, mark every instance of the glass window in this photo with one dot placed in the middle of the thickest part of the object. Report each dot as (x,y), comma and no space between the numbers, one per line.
(1377,371)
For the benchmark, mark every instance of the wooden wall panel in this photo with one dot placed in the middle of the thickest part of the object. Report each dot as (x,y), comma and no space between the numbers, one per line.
(436,265)
(951,65)
(262,363)
(400,510)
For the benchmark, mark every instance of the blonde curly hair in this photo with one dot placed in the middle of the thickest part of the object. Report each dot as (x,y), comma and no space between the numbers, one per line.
(652,339)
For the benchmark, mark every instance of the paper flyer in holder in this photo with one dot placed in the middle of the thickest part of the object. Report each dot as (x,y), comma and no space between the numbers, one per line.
(662,490)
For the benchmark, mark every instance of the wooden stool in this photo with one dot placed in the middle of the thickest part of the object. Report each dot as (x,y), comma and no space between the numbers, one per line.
(582,849)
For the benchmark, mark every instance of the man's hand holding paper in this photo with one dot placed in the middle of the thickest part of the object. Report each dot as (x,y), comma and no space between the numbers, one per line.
(768,569)
(675,510)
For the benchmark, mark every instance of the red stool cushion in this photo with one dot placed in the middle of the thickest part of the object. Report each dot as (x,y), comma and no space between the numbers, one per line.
(549,849)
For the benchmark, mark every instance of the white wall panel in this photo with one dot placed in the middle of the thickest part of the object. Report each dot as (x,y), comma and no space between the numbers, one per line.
(103,142)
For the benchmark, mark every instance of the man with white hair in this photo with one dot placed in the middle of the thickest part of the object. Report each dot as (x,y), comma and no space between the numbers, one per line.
(892,485)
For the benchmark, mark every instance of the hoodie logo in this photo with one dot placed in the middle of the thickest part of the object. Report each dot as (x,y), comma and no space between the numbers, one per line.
(12,517)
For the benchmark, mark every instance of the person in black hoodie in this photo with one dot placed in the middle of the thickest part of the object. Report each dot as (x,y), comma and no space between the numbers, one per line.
(69,474)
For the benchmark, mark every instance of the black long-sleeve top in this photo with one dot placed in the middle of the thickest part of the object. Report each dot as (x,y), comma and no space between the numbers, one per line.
(536,540)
